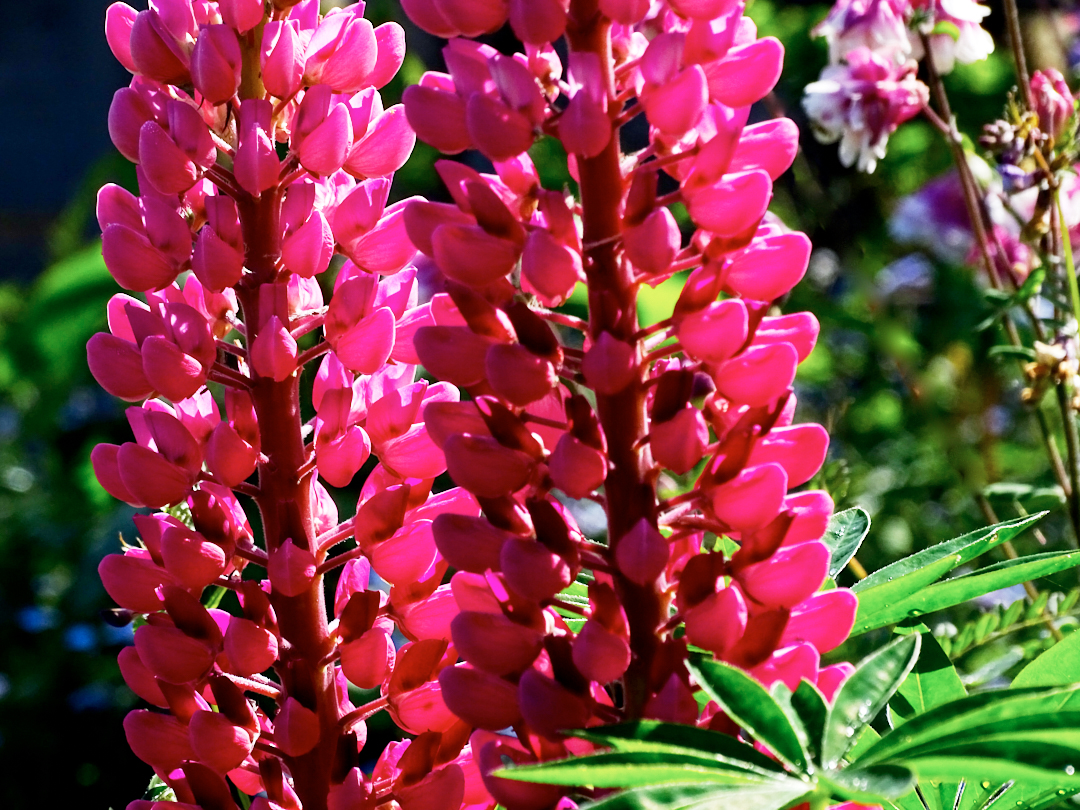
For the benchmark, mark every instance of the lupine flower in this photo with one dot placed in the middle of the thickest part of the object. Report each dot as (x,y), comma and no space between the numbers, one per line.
(862,102)
(705,394)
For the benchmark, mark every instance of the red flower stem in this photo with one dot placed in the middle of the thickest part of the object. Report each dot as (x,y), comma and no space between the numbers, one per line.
(287,511)
(227,376)
(630,486)
(340,559)
(260,686)
(363,713)
(316,351)
(342,531)
(562,319)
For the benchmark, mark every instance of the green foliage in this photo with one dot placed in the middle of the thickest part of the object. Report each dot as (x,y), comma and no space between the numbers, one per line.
(844,535)
(946,750)
(1000,622)
(909,587)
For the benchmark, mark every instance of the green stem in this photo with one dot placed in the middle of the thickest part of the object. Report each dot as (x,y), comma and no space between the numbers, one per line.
(1070,268)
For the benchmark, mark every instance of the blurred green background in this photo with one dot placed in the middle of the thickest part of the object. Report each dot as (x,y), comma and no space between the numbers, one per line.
(921,417)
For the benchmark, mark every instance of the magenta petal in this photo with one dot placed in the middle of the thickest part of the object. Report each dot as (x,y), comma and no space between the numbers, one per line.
(791,575)
(747,73)
(758,375)
(769,268)
(799,449)
(751,499)
(438,118)
(824,620)
(734,204)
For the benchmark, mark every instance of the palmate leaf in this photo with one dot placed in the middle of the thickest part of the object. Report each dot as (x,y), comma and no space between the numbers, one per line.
(629,769)
(911,573)
(1026,709)
(864,694)
(1058,666)
(878,610)
(776,795)
(844,535)
(750,705)
(869,784)
(810,705)
(932,682)
(653,735)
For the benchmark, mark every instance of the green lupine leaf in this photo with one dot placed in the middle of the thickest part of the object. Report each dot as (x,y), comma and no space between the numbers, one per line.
(932,682)
(652,735)
(1030,706)
(966,547)
(1058,666)
(984,768)
(908,801)
(628,769)
(864,694)
(750,705)
(875,611)
(870,785)
(776,795)
(844,535)
(812,709)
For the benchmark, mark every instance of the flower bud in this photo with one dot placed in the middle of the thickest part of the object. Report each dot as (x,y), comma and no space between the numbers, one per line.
(550,708)
(752,498)
(747,73)
(119,20)
(719,622)
(368,661)
(243,15)
(680,442)
(216,63)
(599,654)
(296,728)
(479,698)
(249,647)
(577,468)
(642,553)
(716,332)
(171,655)
(733,205)
(217,742)
(549,268)
(494,643)
(282,58)
(609,365)
(791,575)
(291,569)
(799,449)
(159,740)
(273,354)
(769,268)
(256,165)
(192,559)
(758,375)
(532,570)
(824,620)
(154,52)
(652,244)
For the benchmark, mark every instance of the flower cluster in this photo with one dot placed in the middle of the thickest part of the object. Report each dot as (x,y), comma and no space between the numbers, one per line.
(218,89)
(263,148)
(870,87)
(704,393)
